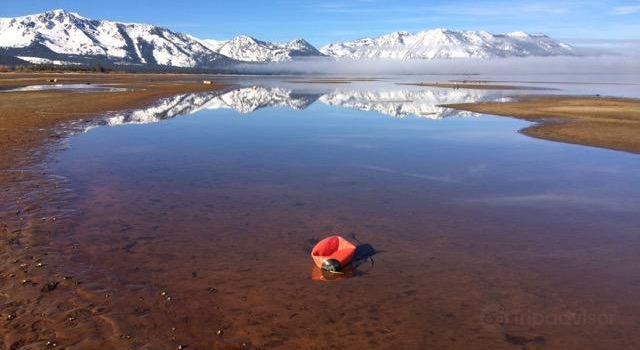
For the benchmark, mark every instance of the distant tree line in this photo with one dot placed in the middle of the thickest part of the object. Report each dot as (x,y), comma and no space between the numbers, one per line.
(60,68)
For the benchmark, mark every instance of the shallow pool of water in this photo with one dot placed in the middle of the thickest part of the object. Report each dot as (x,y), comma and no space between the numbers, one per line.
(485,238)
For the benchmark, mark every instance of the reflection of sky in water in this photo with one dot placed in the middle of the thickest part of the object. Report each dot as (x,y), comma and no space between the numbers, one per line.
(424,103)
(454,205)
(383,95)
(312,132)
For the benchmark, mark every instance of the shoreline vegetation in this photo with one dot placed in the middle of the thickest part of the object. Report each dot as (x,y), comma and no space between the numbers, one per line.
(605,122)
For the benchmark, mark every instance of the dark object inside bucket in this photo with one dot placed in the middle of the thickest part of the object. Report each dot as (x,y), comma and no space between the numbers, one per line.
(331,265)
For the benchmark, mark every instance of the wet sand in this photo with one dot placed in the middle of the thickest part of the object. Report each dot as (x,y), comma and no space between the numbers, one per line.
(39,302)
(606,122)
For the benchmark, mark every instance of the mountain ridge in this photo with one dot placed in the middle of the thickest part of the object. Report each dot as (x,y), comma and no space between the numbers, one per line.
(440,43)
(63,37)
(249,49)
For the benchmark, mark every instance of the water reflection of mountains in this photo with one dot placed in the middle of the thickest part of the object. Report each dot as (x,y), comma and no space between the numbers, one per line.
(424,103)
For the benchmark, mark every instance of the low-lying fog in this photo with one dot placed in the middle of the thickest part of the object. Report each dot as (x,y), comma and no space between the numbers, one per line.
(609,64)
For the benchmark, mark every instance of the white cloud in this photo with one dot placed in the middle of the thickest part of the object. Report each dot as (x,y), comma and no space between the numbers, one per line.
(626,10)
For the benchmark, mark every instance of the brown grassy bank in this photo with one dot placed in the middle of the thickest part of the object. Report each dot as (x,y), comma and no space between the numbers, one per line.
(607,122)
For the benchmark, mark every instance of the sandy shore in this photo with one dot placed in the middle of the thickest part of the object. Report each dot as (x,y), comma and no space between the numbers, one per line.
(32,206)
(607,122)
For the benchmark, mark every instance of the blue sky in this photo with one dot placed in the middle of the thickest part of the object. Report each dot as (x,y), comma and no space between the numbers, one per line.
(321,22)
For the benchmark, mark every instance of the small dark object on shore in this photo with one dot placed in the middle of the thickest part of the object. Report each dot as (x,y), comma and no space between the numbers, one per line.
(50,286)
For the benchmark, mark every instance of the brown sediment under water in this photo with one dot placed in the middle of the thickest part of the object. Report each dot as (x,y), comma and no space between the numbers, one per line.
(195,230)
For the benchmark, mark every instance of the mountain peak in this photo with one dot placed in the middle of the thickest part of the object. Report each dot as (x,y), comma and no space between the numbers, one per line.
(244,37)
(61,13)
(442,43)
(62,36)
(249,49)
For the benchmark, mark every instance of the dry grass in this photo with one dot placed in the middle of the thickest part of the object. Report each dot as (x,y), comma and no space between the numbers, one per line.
(612,123)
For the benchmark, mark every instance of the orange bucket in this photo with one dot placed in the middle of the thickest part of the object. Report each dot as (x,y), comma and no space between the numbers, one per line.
(332,249)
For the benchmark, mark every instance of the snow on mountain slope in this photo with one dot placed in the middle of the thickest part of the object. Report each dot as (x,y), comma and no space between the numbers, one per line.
(59,34)
(443,43)
(213,44)
(248,49)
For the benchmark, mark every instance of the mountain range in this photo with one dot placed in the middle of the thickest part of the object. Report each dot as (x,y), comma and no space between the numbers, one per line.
(63,37)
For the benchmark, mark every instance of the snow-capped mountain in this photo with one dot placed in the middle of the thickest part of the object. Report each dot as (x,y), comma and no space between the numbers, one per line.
(443,43)
(68,37)
(62,37)
(248,49)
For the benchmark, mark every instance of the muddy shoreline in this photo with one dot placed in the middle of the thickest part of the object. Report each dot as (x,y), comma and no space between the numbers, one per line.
(42,304)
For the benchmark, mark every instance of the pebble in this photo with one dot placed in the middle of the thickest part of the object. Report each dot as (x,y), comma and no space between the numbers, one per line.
(219,332)
(180,347)
(39,265)
(163,293)
(50,286)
